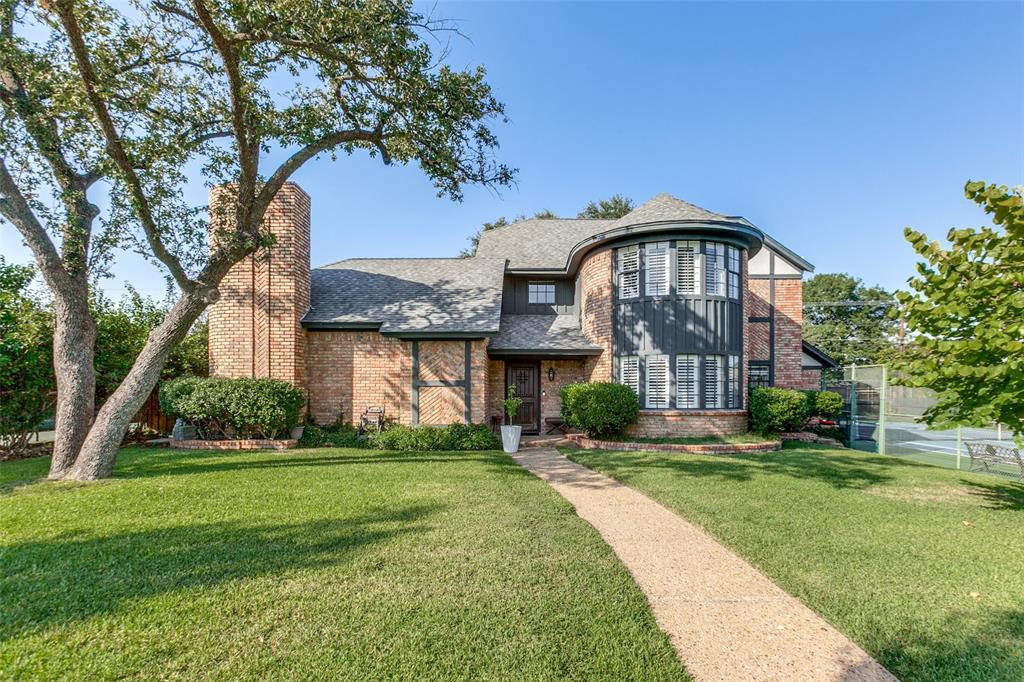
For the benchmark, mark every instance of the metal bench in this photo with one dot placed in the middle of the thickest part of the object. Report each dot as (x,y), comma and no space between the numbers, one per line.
(372,418)
(555,423)
(985,455)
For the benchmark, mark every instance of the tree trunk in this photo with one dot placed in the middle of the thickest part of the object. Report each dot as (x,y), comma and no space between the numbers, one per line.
(99,451)
(74,344)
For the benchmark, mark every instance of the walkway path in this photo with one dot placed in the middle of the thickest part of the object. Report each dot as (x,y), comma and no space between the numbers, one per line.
(726,619)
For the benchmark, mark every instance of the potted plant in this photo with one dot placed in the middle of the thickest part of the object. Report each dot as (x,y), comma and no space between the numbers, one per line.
(510,434)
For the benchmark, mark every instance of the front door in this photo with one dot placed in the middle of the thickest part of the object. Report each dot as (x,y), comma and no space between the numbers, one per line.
(525,376)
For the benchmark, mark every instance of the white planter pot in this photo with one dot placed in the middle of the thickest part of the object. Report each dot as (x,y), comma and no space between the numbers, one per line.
(297,432)
(510,438)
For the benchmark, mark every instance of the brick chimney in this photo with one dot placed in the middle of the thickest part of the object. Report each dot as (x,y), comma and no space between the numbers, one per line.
(255,328)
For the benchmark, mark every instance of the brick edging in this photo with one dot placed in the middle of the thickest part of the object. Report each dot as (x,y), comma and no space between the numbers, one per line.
(693,449)
(241,444)
(805,437)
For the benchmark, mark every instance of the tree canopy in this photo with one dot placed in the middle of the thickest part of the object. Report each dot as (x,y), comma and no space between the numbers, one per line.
(966,311)
(852,322)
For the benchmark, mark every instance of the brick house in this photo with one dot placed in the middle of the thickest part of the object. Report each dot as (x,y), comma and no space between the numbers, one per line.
(686,306)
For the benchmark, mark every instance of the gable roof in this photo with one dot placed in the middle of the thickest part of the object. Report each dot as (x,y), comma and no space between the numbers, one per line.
(542,334)
(408,295)
(665,208)
(538,243)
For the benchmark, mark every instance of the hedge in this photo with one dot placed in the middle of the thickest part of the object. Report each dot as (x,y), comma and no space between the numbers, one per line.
(234,408)
(773,410)
(433,438)
(824,404)
(599,409)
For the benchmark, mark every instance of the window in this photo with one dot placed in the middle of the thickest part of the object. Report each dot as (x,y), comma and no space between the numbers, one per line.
(688,267)
(629,372)
(687,389)
(714,380)
(656,269)
(629,272)
(734,272)
(714,269)
(732,382)
(656,367)
(759,375)
(541,292)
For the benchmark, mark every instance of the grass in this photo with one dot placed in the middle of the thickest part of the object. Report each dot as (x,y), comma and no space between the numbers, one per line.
(694,440)
(923,567)
(326,564)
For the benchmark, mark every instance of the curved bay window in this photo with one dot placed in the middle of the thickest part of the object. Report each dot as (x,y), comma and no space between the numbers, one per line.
(678,323)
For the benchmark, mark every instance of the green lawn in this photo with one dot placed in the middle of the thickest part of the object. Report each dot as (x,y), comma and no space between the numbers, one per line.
(695,440)
(887,550)
(328,564)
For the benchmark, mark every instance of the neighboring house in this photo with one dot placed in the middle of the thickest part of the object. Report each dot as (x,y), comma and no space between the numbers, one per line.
(684,305)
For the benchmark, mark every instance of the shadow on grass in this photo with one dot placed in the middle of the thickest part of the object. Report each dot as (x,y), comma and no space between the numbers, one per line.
(68,579)
(1007,496)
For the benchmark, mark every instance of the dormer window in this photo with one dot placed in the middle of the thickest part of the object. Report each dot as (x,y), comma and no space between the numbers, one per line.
(540,293)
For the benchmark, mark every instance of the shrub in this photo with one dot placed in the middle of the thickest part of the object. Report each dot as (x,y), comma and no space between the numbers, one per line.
(433,438)
(343,436)
(824,404)
(777,409)
(233,408)
(599,409)
(833,432)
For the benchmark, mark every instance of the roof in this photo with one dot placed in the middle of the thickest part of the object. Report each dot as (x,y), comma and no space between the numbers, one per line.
(540,334)
(408,295)
(826,360)
(665,208)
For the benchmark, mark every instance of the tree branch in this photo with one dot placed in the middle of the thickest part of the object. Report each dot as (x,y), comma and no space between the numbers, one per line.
(115,147)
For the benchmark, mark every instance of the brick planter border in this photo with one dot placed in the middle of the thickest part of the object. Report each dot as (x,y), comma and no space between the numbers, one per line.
(241,444)
(693,449)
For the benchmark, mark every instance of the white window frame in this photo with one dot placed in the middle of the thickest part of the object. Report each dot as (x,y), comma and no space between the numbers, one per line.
(657,379)
(714,269)
(628,279)
(629,372)
(733,381)
(714,382)
(732,261)
(687,381)
(688,276)
(657,269)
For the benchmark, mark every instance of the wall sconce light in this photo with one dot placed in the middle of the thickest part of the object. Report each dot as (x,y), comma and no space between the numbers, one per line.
(551,373)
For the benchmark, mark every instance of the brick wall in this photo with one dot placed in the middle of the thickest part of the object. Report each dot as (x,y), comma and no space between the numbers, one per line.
(255,328)
(688,423)
(789,319)
(349,370)
(481,386)
(566,372)
(596,278)
(810,379)
(495,389)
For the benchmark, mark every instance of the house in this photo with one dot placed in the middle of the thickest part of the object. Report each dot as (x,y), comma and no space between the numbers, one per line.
(686,306)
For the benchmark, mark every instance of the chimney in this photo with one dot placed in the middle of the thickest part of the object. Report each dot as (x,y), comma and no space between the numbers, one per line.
(255,328)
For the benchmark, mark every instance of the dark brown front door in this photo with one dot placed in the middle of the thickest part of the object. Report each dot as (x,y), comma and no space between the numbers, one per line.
(525,376)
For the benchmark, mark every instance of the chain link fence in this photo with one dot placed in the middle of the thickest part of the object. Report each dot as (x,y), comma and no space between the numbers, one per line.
(880,416)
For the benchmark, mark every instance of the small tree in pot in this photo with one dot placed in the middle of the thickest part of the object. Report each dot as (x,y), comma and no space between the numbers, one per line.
(510,434)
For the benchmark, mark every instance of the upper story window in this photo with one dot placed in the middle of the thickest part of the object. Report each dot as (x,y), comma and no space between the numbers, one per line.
(688,267)
(722,270)
(540,292)
(733,265)
(656,269)
(629,272)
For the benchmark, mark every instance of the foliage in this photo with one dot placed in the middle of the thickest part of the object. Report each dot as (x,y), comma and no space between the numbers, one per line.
(435,438)
(833,432)
(599,409)
(858,333)
(774,410)
(966,312)
(27,390)
(233,408)
(824,404)
(611,208)
(339,436)
(512,402)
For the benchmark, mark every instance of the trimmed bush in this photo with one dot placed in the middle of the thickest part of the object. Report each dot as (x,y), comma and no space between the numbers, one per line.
(345,436)
(234,408)
(599,409)
(433,438)
(824,404)
(773,410)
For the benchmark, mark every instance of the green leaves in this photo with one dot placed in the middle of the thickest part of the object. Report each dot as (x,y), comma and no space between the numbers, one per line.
(967,317)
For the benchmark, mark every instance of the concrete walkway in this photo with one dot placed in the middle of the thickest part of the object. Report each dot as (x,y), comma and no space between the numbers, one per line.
(726,619)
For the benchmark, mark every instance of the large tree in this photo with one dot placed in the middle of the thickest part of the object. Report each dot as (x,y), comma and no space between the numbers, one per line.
(966,311)
(100,99)
(849,320)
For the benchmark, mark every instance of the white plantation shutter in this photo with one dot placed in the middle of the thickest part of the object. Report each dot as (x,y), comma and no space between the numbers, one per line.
(656,269)
(714,391)
(714,269)
(657,381)
(629,272)
(733,382)
(629,372)
(687,372)
(688,267)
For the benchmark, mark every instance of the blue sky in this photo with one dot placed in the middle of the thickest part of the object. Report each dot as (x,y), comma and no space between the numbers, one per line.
(830,126)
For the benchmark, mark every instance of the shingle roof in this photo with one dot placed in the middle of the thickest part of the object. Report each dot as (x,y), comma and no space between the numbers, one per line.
(666,208)
(538,244)
(404,295)
(544,333)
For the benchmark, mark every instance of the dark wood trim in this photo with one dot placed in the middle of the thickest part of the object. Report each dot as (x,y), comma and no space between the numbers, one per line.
(537,390)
